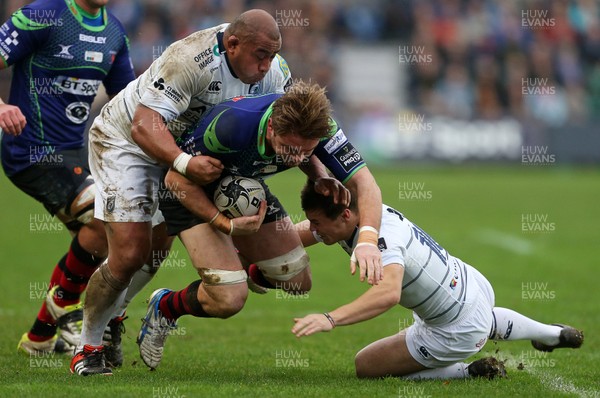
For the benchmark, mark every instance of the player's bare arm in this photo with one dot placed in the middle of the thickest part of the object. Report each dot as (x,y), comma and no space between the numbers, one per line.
(193,197)
(152,135)
(366,254)
(12,120)
(375,301)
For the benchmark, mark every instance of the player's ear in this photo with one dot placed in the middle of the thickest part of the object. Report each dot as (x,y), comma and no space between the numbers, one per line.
(346,215)
(232,43)
(270,132)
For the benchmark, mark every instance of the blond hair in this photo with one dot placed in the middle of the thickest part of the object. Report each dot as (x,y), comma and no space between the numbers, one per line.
(304,110)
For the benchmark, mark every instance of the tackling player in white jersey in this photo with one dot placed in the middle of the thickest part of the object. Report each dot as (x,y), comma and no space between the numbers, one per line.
(133,141)
(452,302)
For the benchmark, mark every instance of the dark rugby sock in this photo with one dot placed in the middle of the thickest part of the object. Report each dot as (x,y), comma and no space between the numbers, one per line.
(77,269)
(184,302)
(258,277)
(44,326)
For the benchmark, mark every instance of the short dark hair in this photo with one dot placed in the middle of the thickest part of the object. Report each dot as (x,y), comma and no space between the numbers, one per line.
(310,200)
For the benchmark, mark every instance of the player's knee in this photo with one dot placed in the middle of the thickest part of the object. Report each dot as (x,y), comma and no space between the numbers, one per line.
(232,304)
(127,260)
(366,365)
(227,302)
(360,365)
(300,284)
(228,291)
(289,271)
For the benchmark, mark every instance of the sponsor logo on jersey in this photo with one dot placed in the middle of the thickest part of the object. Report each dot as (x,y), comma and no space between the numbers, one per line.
(453,283)
(11,40)
(348,157)
(381,245)
(4,54)
(257,162)
(73,85)
(204,58)
(272,209)
(92,39)
(481,343)
(78,112)
(4,47)
(169,91)
(455,277)
(335,142)
(215,86)
(64,52)
(94,56)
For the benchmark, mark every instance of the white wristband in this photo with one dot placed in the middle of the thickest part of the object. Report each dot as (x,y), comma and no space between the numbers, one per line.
(367,228)
(181,161)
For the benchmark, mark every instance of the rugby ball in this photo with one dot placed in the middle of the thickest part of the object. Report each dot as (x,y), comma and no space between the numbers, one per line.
(237,196)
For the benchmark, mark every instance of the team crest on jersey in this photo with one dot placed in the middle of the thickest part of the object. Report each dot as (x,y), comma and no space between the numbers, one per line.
(78,112)
(253,89)
(381,245)
(110,204)
(423,351)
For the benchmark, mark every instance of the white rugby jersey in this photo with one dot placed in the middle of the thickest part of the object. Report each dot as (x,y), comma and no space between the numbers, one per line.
(436,285)
(186,81)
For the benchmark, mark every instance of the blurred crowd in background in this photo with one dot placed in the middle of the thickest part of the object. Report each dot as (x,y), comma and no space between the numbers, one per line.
(485,57)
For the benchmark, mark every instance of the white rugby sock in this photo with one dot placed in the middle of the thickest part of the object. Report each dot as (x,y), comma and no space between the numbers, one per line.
(510,325)
(140,279)
(456,371)
(92,334)
(104,295)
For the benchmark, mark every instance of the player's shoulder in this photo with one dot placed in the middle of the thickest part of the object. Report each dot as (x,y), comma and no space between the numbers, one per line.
(39,14)
(240,116)
(279,66)
(393,223)
(252,103)
(202,37)
(49,5)
(198,52)
(115,22)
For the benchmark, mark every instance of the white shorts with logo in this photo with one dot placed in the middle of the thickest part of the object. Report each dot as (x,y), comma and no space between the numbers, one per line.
(436,346)
(127,180)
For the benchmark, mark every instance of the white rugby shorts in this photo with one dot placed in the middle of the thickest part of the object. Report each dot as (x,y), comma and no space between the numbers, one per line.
(127,180)
(436,346)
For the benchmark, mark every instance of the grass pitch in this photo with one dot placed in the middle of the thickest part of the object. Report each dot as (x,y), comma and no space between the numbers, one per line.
(532,231)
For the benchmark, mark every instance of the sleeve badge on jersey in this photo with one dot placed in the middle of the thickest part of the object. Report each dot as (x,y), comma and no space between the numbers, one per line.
(348,157)
(285,69)
(381,245)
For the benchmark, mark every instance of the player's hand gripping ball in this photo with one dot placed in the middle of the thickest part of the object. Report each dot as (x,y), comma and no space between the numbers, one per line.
(239,196)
